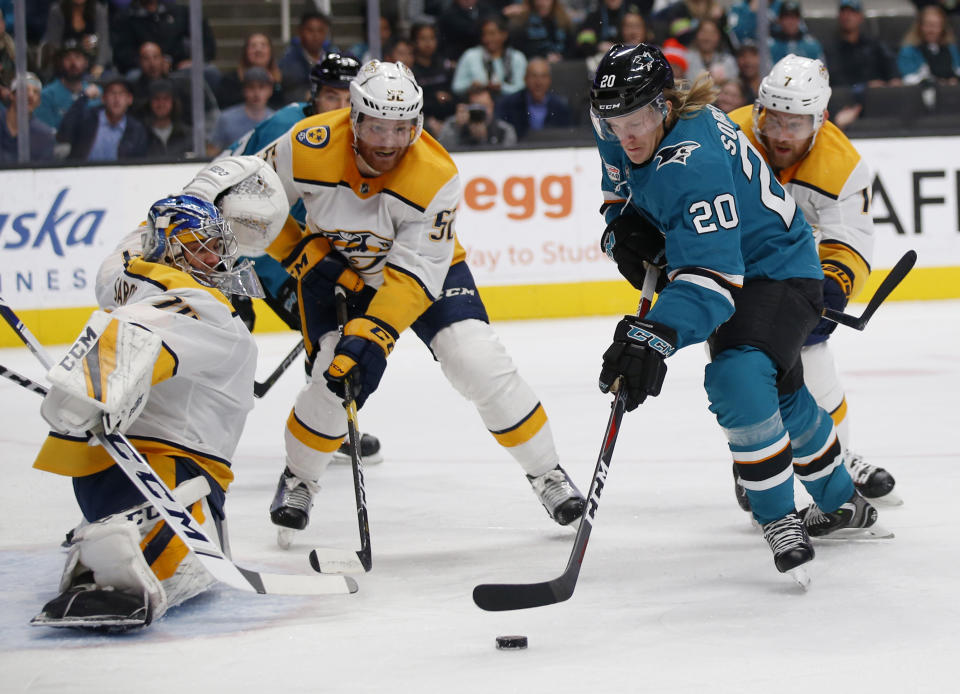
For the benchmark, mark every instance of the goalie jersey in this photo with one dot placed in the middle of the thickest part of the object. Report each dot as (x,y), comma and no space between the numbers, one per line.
(202,380)
(724,216)
(396,230)
(832,185)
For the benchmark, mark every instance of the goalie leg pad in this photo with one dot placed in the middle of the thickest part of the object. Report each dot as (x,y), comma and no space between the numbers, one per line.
(477,365)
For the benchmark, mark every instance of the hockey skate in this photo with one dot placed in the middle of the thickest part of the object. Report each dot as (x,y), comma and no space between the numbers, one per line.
(369,451)
(85,606)
(855,519)
(559,496)
(871,481)
(791,546)
(291,506)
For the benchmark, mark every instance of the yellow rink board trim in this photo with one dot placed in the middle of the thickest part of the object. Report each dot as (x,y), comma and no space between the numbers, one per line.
(61,325)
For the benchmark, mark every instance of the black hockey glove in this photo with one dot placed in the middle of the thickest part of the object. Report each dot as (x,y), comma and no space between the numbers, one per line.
(244,307)
(361,354)
(629,241)
(636,359)
(317,268)
(836,288)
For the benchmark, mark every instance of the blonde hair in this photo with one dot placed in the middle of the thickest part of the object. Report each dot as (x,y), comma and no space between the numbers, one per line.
(689,99)
(913,37)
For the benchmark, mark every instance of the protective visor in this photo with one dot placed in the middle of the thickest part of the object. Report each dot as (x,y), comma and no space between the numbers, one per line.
(777,125)
(389,134)
(637,123)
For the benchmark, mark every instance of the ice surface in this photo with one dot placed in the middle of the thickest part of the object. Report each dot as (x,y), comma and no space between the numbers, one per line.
(678,593)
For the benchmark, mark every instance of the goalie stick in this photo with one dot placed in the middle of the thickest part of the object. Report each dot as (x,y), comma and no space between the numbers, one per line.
(496,597)
(23,381)
(341,561)
(178,518)
(260,389)
(890,282)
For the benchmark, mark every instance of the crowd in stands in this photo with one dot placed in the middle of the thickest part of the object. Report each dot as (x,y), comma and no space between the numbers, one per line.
(110,79)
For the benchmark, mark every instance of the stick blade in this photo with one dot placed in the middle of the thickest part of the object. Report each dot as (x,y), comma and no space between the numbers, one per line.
(340,561)
(500,597)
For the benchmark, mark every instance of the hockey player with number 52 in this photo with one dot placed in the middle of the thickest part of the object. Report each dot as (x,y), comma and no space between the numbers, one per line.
(828,178)
(685,190)
(380,198)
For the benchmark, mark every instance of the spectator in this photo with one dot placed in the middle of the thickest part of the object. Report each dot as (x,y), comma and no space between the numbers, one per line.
(949,6)
(257,52)
(633,30)
(306,49)
(741,21)
(854,58)
(492,64)
(543,29)
(680,19)
(678,57)
(474,125)
(536,106)
(434,74)
(42,136)
(167,25)
(36,15)
(602,26)
(8,61)
(790,35)
(154,65)
(707,53)
(60,94)
(85,21)
(929,50)
(237,120)
(168,137)
(748,65)
(387,37)
(732,95)
(459,26)
(106,132)
(399,51)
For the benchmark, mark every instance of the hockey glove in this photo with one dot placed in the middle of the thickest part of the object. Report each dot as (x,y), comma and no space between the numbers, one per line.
(630,241)
(635,360)
(317,268)
(244,308)
(836,291)
(361,354)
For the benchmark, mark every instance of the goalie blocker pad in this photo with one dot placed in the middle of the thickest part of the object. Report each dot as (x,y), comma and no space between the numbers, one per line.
(109,368)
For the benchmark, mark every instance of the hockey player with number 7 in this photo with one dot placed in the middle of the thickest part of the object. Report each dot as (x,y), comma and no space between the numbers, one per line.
(685,190)
(380,198)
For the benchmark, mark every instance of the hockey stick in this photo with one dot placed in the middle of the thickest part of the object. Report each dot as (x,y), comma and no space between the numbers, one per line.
(330,561)
(23,381)
(260,389)
(890,282)
(496,597)
(178,518)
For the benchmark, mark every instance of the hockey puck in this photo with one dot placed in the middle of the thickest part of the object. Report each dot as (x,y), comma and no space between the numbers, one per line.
(511,642)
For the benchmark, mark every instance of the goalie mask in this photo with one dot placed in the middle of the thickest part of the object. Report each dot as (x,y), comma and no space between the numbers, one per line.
(189,234)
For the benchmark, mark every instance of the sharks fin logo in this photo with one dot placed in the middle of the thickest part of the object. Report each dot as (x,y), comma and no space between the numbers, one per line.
(675,154)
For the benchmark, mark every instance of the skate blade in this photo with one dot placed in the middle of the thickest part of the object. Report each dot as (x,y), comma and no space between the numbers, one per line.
(800,575)
(874,532)
(115,624)
(285,537)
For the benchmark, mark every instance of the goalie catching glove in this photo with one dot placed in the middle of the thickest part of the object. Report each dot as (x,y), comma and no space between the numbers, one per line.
(360,355)
(635,360)
(630,241)
(103,382)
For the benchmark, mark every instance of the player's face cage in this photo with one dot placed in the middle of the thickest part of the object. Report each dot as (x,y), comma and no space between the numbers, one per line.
(210,254)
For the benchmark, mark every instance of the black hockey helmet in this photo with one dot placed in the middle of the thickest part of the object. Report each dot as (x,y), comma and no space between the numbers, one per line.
(335,71)
(628,78)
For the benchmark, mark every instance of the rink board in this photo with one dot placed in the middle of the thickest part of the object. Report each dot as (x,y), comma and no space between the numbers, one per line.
(529,222)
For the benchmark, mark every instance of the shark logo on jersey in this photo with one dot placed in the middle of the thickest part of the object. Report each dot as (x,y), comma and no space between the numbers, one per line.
(315,137)
(676,154)
(613,173)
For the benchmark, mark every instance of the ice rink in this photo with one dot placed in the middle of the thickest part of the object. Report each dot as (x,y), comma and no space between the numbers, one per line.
(678,593)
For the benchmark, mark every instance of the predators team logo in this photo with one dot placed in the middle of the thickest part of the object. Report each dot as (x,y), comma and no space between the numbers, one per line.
(315,137)
(676,154)
(364,248)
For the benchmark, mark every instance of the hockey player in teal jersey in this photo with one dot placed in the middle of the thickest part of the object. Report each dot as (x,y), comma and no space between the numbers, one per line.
(685,190)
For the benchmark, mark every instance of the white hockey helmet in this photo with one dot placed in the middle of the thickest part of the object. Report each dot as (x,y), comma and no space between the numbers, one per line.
(795,85)
(389,91)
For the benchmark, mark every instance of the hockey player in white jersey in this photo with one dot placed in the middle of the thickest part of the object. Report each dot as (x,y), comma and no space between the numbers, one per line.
(170,364)
(381,197)
(831,183)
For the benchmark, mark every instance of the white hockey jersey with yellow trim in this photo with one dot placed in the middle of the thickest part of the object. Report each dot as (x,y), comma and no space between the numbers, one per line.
(396,230)
(209,357)
(832,186)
